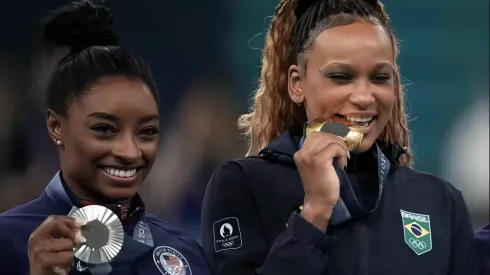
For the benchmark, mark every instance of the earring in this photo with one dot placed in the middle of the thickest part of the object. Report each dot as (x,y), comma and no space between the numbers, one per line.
(58,142)
(298,98)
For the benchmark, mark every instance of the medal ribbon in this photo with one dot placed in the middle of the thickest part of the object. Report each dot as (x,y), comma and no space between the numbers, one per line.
(348,206)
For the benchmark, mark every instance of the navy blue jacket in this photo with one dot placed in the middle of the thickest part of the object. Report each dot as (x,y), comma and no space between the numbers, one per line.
(17,224)
(483,244)
(251,224)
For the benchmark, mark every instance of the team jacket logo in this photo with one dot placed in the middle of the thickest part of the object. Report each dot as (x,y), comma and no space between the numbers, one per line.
(227,234)
(170,261)
(417,233)
(81,267)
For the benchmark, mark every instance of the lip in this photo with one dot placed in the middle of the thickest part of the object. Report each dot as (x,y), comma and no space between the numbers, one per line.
(120,167)
(360,114)
(120,180)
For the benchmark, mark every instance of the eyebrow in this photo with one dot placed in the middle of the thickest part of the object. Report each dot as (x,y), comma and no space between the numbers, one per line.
(114,118)
(340,65)
(382,65)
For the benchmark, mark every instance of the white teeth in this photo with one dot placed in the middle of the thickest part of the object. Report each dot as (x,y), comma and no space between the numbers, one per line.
(359,119)
(120,173)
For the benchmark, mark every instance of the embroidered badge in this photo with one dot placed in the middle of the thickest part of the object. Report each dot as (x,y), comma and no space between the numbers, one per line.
(227,234)
(416,231)
(170,261)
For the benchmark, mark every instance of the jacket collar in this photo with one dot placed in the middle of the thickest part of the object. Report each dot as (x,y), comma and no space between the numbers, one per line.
(60,193)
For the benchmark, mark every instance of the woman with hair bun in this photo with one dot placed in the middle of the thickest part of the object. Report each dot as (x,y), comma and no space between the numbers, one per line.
(103,117)
(312,203)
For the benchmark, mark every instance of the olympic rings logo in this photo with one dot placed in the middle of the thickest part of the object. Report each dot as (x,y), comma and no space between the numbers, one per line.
(228,244)
(417,244)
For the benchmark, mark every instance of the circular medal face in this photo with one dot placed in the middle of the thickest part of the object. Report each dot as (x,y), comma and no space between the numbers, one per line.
(104,234)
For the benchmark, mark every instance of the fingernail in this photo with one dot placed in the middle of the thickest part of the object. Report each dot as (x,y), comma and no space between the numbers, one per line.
(80,222)
(80,238)
(348,155)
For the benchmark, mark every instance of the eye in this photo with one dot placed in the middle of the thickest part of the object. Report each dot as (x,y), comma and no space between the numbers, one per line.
(340,77)
(381,78)
(104,129)
(150,131)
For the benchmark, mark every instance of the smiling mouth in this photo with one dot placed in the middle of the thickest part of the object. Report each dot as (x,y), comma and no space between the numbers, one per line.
(354,121)
(120,173)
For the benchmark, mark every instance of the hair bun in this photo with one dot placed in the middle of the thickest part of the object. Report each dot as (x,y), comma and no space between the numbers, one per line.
(79,25)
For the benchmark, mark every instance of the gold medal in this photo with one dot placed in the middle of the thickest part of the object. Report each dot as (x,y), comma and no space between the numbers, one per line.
(351,136)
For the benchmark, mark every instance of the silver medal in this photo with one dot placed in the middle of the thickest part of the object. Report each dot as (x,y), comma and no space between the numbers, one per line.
(104,234)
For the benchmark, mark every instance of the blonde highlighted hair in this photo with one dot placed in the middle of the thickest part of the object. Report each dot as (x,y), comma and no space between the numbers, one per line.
(273,111)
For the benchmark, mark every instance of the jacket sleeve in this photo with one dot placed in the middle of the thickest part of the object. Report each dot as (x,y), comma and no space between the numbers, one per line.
(483,246)
(464,258)
(234,239)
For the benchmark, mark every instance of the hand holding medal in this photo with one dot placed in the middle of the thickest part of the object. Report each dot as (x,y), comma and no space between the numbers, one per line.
(50,246)
(327,144)
(93,234)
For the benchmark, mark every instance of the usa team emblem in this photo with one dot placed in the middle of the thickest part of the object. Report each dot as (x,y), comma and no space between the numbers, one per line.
(417,233)
(170,261)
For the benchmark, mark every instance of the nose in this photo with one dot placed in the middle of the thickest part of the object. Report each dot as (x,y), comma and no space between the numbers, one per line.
(126,149)
(363,95)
